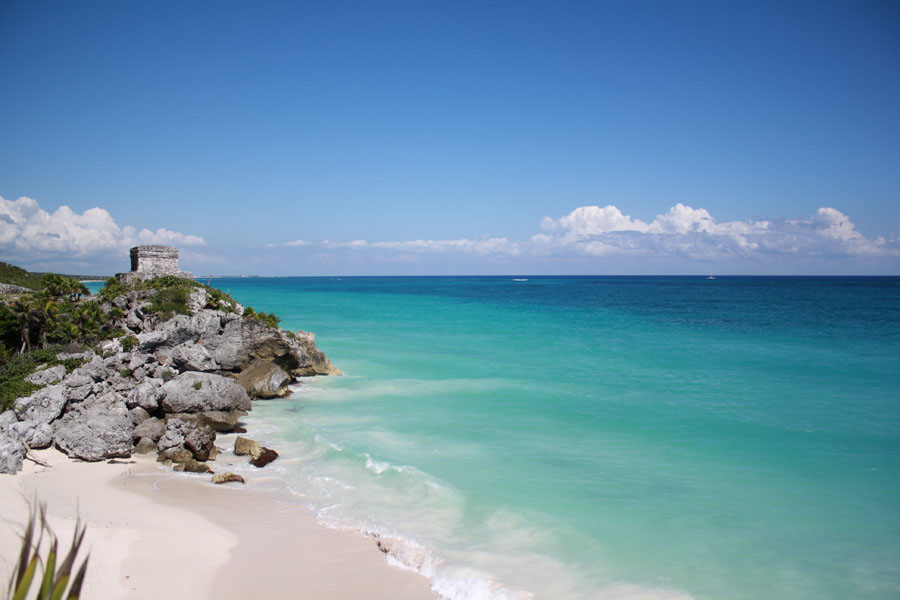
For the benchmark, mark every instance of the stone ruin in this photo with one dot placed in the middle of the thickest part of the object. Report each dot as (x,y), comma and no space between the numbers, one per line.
(148,262)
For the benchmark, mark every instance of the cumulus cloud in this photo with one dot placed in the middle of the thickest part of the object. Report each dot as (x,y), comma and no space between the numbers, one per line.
(682,232)
(28,230)
(691,233)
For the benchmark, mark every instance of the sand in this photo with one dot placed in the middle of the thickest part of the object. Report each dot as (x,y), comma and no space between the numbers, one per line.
(153,533)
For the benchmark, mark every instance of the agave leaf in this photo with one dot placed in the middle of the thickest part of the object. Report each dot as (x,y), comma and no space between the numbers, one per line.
(25,582)
(65,568)
(59,589)
(24,553)
(49,572)
(75,589)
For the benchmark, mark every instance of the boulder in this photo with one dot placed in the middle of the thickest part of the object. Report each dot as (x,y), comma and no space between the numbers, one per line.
(138,415)
(219,420)
(191,356)
(192,466)
(227,477)
(265,456)
(245,446)
(35,435)
(145,446)
(265,379)
(96,429)
(43,406)
(151,429)
(146,394)
(200,392)
(47,376)
(260,456)
(196,438)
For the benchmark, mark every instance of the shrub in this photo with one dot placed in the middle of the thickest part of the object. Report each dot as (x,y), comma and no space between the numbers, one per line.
(167,302)
(198,385)
(20,366)
(112,288)
(128,342)
(167,375)
(126,372)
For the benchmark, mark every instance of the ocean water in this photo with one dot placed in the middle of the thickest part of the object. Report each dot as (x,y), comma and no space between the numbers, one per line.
(602,437)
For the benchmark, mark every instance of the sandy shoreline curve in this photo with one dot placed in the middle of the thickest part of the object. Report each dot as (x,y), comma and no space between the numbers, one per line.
(154,533)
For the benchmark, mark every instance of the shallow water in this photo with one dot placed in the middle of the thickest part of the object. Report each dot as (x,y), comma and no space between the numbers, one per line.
(615,437)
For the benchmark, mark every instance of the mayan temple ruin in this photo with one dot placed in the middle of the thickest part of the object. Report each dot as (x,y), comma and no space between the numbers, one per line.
(148,262)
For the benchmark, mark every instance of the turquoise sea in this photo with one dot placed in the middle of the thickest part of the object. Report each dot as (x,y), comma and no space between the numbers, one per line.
(603,437)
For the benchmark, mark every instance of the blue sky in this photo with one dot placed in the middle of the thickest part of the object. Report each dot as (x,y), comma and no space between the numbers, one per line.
(452,138)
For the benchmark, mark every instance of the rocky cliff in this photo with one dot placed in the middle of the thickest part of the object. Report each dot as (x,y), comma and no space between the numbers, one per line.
(166,386)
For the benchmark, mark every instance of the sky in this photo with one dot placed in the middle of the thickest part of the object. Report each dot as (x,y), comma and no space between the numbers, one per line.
(427,137)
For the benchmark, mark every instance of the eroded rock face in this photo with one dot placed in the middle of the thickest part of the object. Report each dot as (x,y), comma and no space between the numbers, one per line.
(219,420)
(264,379)
(43,406)
(196,438)
(95,430)
(151,429)
(12,448)
(47,376)
(198,392)
(319,363)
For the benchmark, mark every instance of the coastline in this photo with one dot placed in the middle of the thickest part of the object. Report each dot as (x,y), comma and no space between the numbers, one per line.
(153,533)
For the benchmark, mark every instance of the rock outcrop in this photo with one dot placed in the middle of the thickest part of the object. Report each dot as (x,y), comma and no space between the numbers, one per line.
(264,379)
(169,389)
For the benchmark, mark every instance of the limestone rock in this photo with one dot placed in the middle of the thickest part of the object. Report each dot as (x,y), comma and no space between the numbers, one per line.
(219,420)
(43,406)
(319,363)
(35,435)
(47,376)
(138,415)
(227,477)
(199,392)
(151,429)
(264,379)
(95,430)
(192,466)
(145,446)
(265,456)
(245,446)
(12,448)
(146,394)
(196,438)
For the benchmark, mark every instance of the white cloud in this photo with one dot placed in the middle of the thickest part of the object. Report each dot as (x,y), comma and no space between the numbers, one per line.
(295,243)
(29,231)
(682,232)
(691,233)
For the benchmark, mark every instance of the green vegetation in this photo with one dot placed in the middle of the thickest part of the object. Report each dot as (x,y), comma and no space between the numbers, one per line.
(167,375)
(56,578)
(19,366)
(128,342)
(35,327)
(18,276)
(198,385)
(268,319)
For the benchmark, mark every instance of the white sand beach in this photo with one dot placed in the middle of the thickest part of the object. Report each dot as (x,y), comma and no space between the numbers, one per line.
(153,533)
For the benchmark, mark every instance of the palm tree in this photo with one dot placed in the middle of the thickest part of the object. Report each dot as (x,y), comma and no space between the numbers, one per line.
(27,314)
